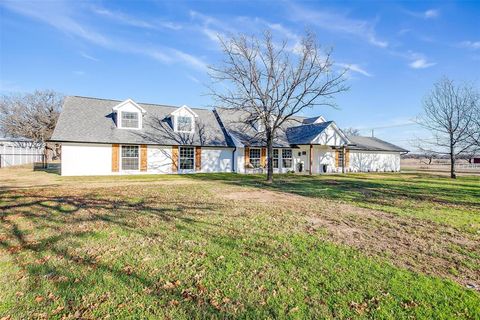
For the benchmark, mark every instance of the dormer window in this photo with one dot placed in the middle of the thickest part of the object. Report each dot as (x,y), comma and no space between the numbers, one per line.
(183,120)
(130,119)
(129,115)
(184,124)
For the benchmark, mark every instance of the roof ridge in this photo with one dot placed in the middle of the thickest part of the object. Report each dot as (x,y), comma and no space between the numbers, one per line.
(144,103)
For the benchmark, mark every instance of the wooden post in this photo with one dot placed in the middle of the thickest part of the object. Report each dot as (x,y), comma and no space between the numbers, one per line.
(263,157)
(115,157)
(198,159)
(143,157)
(174,159)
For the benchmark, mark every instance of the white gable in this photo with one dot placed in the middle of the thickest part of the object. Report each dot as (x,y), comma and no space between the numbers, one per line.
(130,106)
(320,119)
(331,136)
(184,111)
(181,113)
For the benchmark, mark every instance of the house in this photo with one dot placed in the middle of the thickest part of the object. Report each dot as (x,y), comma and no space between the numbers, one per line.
(103,137)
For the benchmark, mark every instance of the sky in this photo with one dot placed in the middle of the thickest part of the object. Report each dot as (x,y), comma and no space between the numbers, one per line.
(159,51)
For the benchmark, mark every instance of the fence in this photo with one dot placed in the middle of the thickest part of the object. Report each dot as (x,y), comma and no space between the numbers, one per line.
(14,153)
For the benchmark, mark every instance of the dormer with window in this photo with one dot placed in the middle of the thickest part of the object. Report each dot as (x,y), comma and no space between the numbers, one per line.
(129,115)
(183,120)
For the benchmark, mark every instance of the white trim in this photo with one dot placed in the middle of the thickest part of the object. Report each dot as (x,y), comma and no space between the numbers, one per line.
(184,107)
(128,101)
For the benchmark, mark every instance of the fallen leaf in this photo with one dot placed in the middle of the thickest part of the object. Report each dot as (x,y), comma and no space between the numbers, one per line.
(58,310)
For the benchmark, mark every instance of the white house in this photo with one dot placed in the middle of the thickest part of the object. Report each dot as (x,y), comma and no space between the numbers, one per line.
(103,137)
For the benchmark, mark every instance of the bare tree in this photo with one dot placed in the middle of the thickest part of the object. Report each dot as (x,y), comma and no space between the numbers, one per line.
(449,113)
(31,115)
(272,82)
(428,156)
(351,131)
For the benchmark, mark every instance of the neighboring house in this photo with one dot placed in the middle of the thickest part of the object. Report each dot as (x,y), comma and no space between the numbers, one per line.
(101,137)
(19,151)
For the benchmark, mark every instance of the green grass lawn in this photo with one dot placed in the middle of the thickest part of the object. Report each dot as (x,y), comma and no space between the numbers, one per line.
(435,198)
(219,246)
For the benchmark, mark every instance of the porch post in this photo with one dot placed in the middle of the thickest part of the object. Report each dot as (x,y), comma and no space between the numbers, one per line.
(311,159)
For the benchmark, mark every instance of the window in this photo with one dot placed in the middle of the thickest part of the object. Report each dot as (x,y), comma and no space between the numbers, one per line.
(184,124)
(255,157)
(287,158)
(275,158)
(129,119)
(187,158)
(130,158)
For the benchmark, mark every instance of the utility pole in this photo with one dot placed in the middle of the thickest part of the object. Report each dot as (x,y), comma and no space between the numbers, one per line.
(373,133)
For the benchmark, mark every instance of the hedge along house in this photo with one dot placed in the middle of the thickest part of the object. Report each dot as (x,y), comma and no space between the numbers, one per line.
(104,137)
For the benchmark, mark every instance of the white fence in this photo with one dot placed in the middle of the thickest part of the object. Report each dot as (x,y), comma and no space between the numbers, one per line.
(14,153)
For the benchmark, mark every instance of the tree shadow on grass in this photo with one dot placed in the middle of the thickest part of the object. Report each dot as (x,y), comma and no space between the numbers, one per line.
(65,220)
(385,191)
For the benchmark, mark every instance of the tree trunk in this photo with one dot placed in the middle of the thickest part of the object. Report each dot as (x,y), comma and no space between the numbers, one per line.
(452,159)
(269,157)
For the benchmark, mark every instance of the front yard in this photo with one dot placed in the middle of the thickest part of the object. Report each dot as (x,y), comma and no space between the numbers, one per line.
(231,246)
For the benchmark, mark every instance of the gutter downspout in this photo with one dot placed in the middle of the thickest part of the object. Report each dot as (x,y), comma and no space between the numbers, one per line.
(233,158)
(311,159)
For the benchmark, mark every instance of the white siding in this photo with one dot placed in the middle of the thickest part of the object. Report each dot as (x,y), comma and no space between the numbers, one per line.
(216,160)
(240,160)
(371,161)
(323,159)
(86,159)
(159,159)
(329,137)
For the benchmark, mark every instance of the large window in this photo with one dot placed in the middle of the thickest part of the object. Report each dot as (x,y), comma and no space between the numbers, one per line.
(275,158)
(287,158)
(184,124)
(130,158)
(129,119)
(187,158)
(255,157)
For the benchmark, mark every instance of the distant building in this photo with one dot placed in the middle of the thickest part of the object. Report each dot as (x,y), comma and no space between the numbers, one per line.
(18,151)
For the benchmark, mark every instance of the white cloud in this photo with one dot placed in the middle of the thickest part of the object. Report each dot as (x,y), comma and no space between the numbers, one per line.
(58,15)
(431,13)
(354,68)
(421,63)
(135,22)
(89,57)
(189,76)
(470,44)
(337,22)
(61,15)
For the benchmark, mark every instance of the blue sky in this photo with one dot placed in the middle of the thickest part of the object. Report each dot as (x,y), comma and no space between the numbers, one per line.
(158,51)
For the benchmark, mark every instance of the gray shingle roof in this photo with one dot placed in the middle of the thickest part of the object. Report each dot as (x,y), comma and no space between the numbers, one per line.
(85,119)
(306,133)
(236,124)
(373,144)
(91,120)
